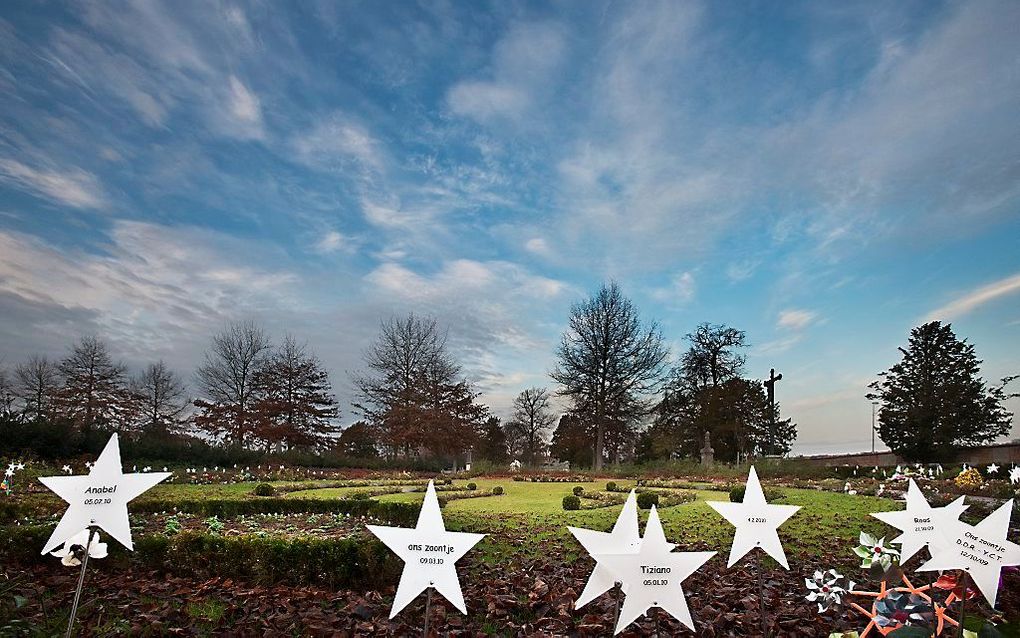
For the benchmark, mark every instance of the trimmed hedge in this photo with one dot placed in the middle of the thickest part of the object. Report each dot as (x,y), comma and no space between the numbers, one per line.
(571,502)
(336,563)
(397,513)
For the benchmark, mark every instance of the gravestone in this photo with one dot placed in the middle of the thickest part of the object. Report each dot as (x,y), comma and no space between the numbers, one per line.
(707,453)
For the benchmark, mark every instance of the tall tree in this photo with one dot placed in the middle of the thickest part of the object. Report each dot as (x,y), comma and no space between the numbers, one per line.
(934,401)
(295,406)
(529,425)
(609,362)
(492,443)
(707,393)
(94,392)
(38,381)
(159,392)
(227,378)
(713,356)
(412,391)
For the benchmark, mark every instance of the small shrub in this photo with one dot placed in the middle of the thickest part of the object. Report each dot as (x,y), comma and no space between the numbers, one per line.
(498,490)
(645,500)
(264,489)
(571,502)
(360,496)
(214,524)
(611,486)
(472,486)
(737,494)
(447,481)
(578,490)
(173,526)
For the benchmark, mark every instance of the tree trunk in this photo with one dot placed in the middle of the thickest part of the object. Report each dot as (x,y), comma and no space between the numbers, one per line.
(600,436)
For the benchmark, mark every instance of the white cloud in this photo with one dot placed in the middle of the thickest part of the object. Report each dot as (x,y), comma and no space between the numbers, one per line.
(975,299)
(151,285)
(538,246)
(524,63)
(336,143)
(244,104)
(72,187)
(681,289)
(331,242)
(793,319)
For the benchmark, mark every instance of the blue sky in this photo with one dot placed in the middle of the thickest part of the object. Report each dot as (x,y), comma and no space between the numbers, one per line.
(822,175)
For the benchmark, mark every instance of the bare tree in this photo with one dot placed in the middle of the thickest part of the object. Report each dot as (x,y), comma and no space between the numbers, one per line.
(227,380)
(161,398)
(530,424)
(609,362)
(411,380)
(7,395)
(713,357)
(38,380)
(93,391)
(295,405)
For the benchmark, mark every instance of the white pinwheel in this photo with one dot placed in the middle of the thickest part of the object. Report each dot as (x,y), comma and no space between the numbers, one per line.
(825,589)
(73,549)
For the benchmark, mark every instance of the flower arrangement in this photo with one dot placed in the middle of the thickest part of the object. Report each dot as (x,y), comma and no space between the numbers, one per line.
(968,479)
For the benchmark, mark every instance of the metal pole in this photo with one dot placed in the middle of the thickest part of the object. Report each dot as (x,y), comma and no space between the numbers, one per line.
(81,583)
(873,427)
(616,614)
(963,602)
(428,609)
(761,595)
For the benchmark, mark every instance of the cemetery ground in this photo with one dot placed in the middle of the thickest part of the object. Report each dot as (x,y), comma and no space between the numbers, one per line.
(286,553)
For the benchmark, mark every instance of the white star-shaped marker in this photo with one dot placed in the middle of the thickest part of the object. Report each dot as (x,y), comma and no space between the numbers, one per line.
(624,539)
(756,522)
(1014,475)
(99,498)
(992,469)
(981,549)
(921,523)
(653,576)
(429,553)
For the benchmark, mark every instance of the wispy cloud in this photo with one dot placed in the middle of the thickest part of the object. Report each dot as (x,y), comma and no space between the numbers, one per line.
(795,319)
(975,299)
(71,187)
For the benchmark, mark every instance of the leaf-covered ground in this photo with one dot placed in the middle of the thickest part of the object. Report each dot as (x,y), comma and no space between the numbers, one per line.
(521,580)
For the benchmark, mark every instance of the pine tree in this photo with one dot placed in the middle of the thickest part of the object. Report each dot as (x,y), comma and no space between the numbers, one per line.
(934,401)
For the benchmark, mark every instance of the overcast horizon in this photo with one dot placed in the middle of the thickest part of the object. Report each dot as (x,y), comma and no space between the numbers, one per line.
(824,177)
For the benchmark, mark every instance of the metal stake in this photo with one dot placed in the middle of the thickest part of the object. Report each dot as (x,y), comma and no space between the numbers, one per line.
(428,609)
(81,583)
(616,614)
(761,595)
(963,601)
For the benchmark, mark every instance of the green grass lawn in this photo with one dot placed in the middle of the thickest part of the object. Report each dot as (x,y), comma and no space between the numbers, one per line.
(528,513)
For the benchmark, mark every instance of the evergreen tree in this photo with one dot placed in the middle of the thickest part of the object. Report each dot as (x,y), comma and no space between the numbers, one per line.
(934,401)
(492,444)
(358,441)
(573,441)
